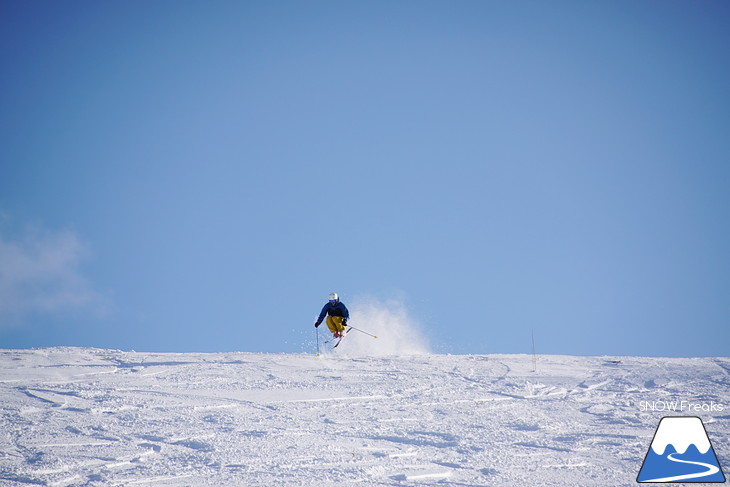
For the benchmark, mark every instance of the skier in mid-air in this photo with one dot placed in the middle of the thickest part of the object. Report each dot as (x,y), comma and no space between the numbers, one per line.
(337,316)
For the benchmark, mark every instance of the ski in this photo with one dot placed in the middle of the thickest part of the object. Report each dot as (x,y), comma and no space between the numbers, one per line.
(340,340)
(332,339)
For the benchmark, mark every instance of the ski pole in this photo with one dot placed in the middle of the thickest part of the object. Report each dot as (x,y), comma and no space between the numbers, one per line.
(316,332)
(361,331)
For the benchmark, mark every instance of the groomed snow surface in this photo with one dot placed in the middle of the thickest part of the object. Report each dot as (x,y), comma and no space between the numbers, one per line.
(71,416)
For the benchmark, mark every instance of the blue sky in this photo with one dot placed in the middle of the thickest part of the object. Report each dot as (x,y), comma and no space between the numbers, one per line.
(198,176)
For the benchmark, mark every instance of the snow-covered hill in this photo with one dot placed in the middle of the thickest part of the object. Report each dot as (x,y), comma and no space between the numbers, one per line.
(73,416)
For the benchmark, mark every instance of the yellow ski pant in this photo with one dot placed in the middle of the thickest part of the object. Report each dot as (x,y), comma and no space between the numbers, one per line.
(334,323)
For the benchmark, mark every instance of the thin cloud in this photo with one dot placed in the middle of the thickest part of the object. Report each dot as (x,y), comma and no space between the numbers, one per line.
(40,273)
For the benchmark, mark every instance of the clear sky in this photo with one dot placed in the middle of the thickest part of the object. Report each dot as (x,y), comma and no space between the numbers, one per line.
(198,176)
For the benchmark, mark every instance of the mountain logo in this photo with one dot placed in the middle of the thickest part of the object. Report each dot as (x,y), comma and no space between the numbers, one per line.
(681,452)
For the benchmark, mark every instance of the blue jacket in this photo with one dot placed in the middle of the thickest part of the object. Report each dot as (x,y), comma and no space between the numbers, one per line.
(337,309)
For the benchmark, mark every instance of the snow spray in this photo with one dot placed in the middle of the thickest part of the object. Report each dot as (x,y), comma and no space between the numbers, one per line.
(398,333)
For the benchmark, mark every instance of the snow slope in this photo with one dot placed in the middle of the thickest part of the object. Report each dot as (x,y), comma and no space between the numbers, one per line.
(71,416)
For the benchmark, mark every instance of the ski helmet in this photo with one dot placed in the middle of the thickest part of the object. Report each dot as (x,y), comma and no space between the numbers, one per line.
(334,297)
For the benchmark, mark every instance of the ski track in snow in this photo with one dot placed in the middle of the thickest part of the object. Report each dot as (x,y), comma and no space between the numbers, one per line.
(72,416)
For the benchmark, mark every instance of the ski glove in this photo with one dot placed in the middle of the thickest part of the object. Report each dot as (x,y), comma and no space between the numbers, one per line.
(316,325)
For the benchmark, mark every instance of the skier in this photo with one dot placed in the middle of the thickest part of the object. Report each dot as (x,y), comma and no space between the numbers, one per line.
(338,316)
